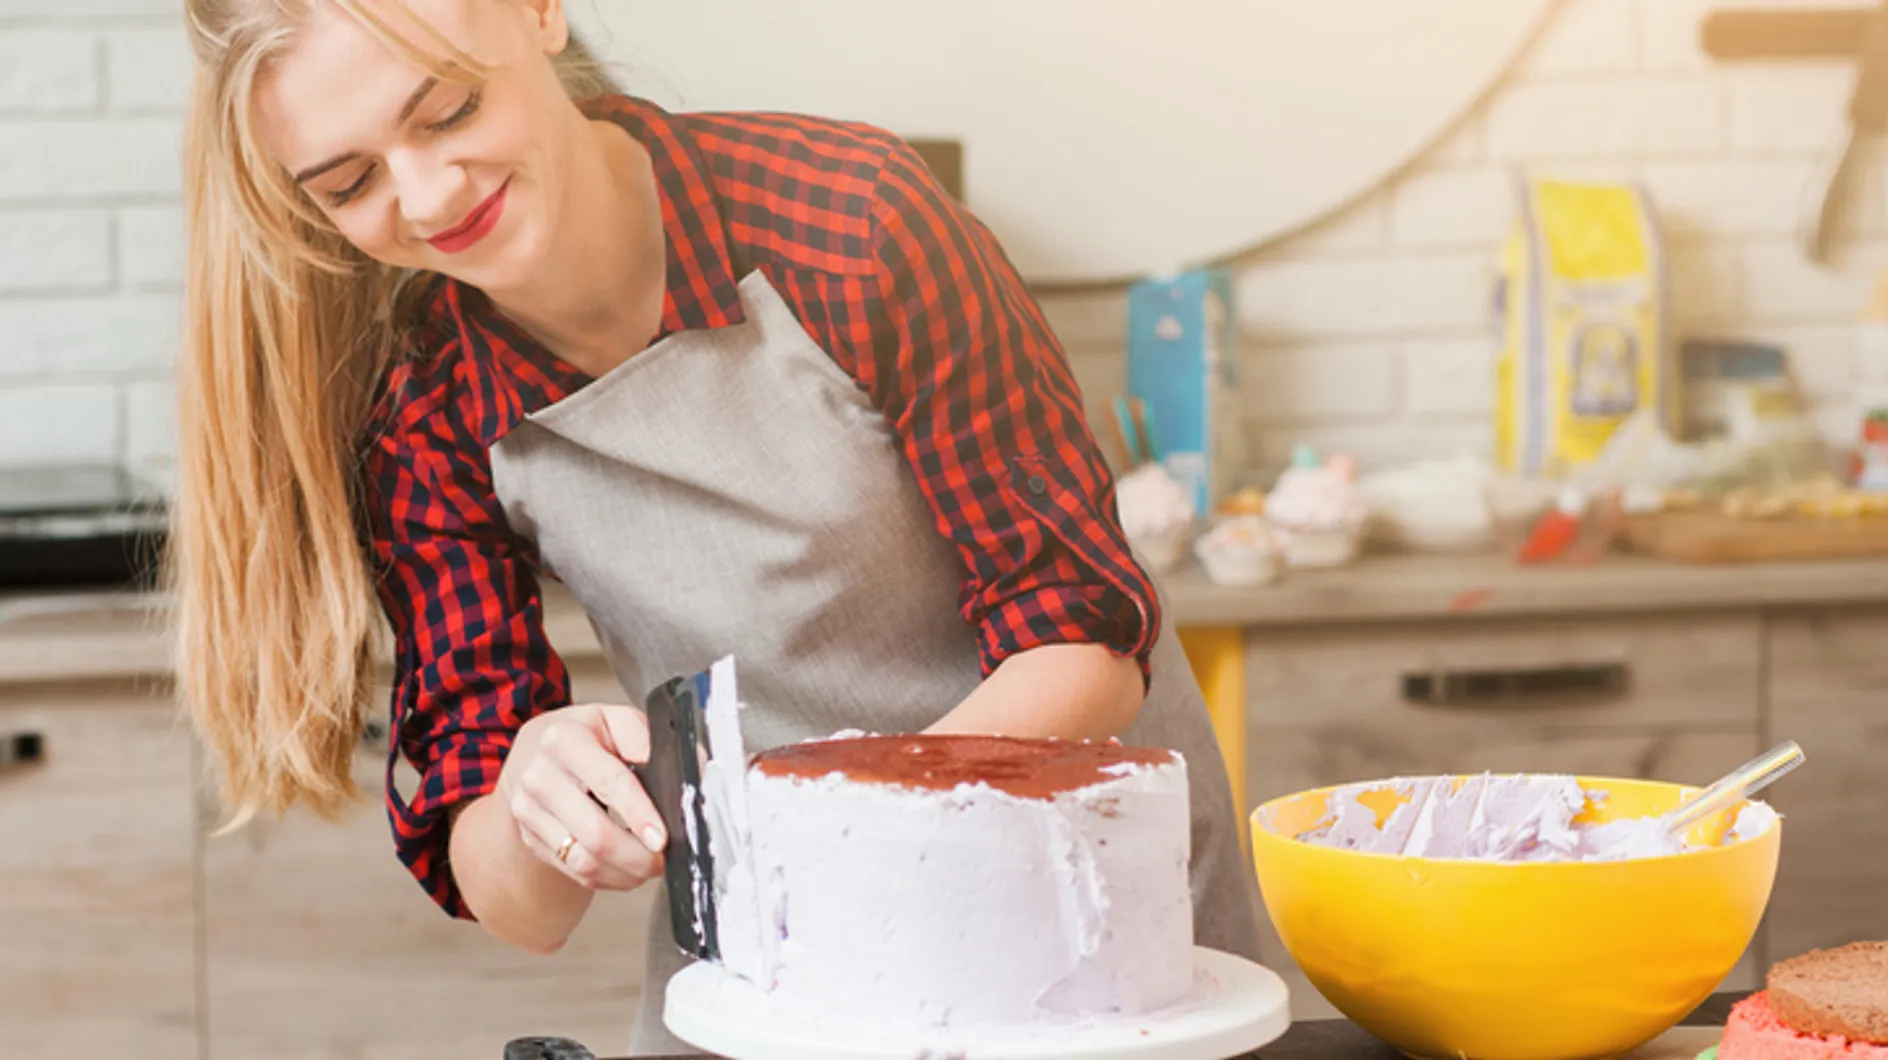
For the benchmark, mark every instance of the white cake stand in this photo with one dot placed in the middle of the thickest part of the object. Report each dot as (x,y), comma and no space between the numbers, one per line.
(1236,1006)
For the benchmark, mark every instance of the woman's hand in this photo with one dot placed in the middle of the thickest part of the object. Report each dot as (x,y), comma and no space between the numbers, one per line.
(567,772)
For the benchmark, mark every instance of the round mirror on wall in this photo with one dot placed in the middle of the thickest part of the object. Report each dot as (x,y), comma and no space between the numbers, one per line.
(1101,139)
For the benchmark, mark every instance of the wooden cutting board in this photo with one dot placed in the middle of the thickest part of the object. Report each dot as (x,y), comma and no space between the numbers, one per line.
(1708,537)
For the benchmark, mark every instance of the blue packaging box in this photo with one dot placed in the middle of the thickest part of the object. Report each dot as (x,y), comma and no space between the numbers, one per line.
(1182,365)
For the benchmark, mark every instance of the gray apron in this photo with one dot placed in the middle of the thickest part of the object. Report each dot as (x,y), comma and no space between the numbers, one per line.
(732,491)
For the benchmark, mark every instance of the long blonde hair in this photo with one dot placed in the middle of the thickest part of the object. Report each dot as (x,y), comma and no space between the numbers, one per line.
(287,331)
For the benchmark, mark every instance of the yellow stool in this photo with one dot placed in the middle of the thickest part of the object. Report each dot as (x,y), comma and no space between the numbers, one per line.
(1217,656)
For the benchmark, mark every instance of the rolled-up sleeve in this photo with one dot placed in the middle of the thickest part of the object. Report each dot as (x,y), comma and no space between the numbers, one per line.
(980,395)
(472,662)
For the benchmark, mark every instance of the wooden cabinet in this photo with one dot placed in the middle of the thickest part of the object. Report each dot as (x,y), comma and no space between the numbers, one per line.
(1673,699)
(1828,691)
(319,944)
(1669,699)
(97,871)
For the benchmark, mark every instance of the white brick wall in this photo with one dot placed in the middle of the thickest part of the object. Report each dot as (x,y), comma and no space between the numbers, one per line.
(47,71)
(47,251)
(1369,331)
(91,93)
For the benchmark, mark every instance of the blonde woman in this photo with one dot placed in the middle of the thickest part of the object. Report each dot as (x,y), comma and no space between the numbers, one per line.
(461,318)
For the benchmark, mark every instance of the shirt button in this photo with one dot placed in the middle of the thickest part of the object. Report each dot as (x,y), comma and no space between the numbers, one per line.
(1037,486)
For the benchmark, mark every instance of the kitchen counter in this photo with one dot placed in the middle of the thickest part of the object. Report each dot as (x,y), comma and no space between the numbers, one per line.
(56,635)
(1403,587)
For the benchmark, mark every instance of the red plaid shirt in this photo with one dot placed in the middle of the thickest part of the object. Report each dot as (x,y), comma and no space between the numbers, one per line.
(909,294)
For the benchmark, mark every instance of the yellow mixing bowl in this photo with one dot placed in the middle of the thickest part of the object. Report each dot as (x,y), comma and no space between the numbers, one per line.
(1501,961)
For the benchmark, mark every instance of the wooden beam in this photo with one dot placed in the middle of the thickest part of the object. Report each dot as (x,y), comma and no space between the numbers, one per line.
(1868,103)
(1785,32)
(946,159)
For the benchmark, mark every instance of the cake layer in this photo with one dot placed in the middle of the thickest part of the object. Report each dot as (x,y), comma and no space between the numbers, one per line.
(1755,1033)
(945,881)
(1841,991)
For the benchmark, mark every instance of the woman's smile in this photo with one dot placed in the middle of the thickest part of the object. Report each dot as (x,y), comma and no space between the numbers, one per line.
(475,227)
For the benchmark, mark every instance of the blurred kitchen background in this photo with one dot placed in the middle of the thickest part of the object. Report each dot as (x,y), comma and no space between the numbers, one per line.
(1369,333)
(1661,587)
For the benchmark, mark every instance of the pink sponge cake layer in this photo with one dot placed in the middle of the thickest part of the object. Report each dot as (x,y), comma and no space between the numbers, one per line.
(1754,1032)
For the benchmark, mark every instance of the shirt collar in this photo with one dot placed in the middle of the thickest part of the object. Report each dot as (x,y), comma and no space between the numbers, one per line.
(703,289)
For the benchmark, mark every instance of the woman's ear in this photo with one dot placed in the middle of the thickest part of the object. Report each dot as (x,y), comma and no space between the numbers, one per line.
(550,24)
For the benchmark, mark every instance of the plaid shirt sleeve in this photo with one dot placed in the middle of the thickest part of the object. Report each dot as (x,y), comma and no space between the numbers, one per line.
(982,399)
(472,661)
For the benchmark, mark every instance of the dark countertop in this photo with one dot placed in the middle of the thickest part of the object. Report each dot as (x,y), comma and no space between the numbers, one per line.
(1344,1040)
(1309,1040)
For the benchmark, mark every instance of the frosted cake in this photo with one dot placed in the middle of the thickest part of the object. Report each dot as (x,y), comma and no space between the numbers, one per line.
(956,881)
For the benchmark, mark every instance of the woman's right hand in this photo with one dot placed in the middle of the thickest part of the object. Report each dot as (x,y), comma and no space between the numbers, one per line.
(558,762)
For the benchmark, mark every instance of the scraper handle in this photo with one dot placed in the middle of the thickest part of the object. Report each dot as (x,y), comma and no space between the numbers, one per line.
(1752,776)
(673,779)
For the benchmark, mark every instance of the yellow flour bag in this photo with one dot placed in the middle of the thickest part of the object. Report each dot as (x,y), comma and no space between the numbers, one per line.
(1584,324)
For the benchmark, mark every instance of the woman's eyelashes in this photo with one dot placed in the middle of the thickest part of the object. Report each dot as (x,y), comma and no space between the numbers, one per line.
(458,117)
(349,193)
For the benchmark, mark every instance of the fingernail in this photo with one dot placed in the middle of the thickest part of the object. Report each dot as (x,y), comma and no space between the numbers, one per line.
(652,837)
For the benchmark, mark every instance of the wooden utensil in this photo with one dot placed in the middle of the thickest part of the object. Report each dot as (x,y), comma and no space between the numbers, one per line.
(1867,114)
(1783,32)
(1810,33)
(1132,427)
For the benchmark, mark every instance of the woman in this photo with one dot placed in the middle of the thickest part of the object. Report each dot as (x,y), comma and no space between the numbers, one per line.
(747,384)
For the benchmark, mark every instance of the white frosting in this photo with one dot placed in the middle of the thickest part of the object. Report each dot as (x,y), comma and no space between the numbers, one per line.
(1153,503)
(724,783)
(1753,820)
(969,907)
(1489,817)
(1316,498)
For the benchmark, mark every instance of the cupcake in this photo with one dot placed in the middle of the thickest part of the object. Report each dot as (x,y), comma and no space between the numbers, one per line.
(1156,514)
(1247,501)
(1240,550)
(1318,510)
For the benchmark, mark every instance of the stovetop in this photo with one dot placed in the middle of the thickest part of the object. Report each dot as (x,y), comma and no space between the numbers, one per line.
(74,489)
(87,525)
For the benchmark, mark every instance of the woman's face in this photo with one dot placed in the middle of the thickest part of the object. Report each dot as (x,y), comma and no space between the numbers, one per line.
(425,173)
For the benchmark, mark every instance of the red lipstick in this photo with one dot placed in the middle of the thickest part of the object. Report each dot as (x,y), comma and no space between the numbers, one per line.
(477,225)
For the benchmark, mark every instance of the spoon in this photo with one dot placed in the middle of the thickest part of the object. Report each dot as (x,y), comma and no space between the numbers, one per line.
(1739,783)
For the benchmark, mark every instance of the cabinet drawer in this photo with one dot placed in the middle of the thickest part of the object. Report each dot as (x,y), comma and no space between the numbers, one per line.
(1446,697)
(97,899)
(1829,693)
(320,945)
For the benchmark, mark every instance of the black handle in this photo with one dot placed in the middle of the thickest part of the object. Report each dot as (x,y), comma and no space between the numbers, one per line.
(546,1049)
(1543,686)
(18,750)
